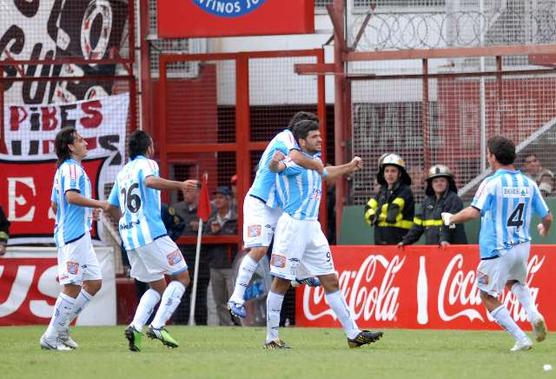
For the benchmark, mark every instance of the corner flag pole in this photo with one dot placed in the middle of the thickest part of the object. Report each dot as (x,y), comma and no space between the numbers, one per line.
(203,211)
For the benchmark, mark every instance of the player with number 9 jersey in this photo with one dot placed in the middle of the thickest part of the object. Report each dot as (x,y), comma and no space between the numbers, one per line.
(141,222)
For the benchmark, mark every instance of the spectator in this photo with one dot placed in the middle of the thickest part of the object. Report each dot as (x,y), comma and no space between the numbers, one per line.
(4,232)
(392,209)
(441,196)
(222,221)
(542,176)
(186,210)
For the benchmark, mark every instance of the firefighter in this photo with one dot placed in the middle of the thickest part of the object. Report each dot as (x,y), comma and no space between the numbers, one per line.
(441,196)
(4,232)
(392,209)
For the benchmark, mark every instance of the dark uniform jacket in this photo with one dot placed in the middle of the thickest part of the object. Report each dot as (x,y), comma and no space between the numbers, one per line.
(429,221)
(391,212)
(4,228)
(222,256)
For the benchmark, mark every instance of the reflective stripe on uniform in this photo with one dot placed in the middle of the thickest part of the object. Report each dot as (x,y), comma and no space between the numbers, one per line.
(432,222)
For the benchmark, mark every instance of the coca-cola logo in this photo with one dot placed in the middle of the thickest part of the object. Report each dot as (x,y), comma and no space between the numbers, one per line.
(369,291)
(459,288)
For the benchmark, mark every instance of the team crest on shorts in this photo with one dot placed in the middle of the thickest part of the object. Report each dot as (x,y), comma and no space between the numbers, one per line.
(72,267)
(254,230)
(482,278)
(278,260)
(174,257)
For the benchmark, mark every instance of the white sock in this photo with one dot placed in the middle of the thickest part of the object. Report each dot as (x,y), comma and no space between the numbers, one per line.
(244,274)
(145,308)
(80,302)
(62,310)
(338,304)
(170,300)
(273,308)
(503,318)
(524,297)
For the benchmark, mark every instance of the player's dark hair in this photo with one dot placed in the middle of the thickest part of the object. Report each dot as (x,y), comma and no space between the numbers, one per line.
(302,128)
(139,142)
(64,138)
(503,149)
(300,116)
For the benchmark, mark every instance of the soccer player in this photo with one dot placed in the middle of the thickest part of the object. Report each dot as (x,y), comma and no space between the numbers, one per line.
(504,201)
(300,248)
(261,210)
(151,253)
(78,268)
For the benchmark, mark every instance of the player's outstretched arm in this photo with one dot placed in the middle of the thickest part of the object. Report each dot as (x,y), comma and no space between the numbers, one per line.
(334,172)
(75,198)
(169,185)
(467,214)
(304,161)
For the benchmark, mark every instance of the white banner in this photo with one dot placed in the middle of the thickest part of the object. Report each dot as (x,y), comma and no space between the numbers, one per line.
(28,165)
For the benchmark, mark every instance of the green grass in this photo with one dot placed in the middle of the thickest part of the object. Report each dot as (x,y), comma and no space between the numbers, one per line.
(208,352)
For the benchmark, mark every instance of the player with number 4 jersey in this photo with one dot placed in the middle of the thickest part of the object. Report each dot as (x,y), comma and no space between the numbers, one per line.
(505,202)
(135,201)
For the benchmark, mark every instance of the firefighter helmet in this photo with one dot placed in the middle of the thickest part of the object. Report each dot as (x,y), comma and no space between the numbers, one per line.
(391,159)
(440,171)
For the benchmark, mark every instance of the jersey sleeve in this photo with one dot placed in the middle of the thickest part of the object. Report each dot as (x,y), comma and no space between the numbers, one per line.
(149,168)
(71,176)
(114,198)
(539,205)
(483,197)
(292,168)
(286,142)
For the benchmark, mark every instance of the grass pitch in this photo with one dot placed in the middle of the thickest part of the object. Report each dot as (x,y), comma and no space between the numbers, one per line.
(211,352)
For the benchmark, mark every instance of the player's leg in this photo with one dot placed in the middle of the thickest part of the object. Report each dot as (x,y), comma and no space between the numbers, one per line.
(258,229)
(92,282)
(70,275)
(148,301)
(492,275)
(166,257)
(274,301)
(317,260)
(517,284)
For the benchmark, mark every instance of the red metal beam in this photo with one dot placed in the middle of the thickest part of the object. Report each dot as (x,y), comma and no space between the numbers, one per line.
(315,69)
(451,52)
(543,59)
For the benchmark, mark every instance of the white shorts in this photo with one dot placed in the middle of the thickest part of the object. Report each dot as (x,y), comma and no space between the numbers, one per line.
(492,274)
(78,262)
(151,262)
(300,250)
(259,222)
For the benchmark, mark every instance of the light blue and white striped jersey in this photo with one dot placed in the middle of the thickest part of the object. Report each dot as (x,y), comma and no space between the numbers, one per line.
(72,221)
(264,185)
(141,222)
(299,190)
(506,200)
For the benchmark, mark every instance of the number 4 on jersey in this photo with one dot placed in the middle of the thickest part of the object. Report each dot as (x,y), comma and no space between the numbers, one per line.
(516,218)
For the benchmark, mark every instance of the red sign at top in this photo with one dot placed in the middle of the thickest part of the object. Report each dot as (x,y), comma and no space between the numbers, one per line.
(222,18)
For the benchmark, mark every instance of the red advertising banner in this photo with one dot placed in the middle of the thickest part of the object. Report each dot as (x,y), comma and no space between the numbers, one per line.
(221,18)
(29,287)
(422,287)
